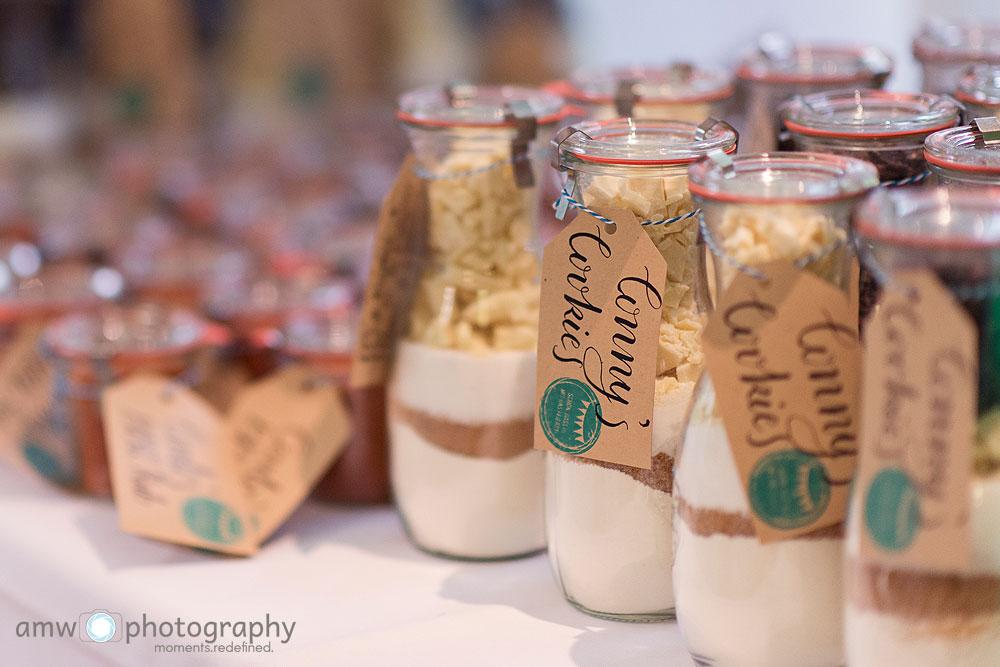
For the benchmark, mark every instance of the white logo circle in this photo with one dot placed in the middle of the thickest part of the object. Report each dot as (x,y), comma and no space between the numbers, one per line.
(101,627)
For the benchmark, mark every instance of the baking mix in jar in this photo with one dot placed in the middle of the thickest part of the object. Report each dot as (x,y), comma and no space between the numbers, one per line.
(464,475)
(946,49)
(742,601)
(323,340)
(886,129)
(966,156)
(923,536)
(979,91)
(679,91)
(608,524)
(781,68)
(89,351)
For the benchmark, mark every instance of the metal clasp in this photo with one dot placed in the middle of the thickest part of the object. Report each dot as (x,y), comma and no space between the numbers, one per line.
(626,97)
(571,184)
(526,129)
(986,130)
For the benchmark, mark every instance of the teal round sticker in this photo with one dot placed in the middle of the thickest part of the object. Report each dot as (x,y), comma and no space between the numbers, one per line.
(45,464)
(568,414)
(212,521)
(892,509)
(788,489)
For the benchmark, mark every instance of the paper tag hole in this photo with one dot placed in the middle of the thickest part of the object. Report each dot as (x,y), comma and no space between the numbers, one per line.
(610,229)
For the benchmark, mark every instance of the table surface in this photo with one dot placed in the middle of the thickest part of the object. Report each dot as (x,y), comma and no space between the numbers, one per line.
(358,592)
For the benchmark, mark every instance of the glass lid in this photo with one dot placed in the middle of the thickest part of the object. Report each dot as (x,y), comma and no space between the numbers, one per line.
(628,141)
(934,218)
(779,60)
(467,105)
(675,83)
(771,178)
(967,148)
(958,41)
(981,86)
(875,113)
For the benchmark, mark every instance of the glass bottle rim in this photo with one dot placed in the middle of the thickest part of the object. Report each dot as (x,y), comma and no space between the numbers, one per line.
(818,64)
(782,178)
(981,85)
(628,142)
(957,41)
(475,106)
(957,148)
(865,113)
(676,83)
(938,218)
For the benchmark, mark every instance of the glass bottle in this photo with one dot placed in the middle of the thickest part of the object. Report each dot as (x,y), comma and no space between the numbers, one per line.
(923,618)
(464,475)
(979,91)
(966,156)
(886,129)
(89,351)
(609,524)
(780,68)
(679,91)
(323,339)
(946,50)
(742,603)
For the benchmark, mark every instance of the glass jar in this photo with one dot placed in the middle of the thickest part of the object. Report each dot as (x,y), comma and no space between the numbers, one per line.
(679,91)
(780,69)
(89,351)
(609,524)
(464,475)
(886,129)
(946,49)
(966,156)
(922,618)
(740,602)
(324,341)
(979,91)
(32,296)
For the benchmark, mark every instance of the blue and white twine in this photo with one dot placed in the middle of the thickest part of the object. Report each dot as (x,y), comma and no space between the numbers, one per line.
(565,196)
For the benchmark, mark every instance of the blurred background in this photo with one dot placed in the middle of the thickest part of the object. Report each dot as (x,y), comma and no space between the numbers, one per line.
(271,123)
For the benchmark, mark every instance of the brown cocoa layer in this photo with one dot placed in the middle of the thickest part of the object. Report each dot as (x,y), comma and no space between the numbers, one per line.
(958,605)
(659,477)
(706,522)
(489,440)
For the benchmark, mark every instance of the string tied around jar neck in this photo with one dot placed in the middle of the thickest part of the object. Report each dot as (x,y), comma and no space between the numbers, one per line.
(566,200)
(719,252)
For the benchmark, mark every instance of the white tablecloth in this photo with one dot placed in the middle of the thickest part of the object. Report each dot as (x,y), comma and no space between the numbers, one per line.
(358,593)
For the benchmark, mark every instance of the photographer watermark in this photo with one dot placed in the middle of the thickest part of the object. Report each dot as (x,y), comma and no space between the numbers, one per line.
(101,625)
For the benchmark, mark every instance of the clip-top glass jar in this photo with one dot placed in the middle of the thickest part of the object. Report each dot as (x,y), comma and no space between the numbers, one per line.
(967,155)
(740,602)
(464,475)
(679,91)
(979,91)
(946,49)
(886,129)
(780,69)
(609,524)
(92,350)
(909,616)
(323,340)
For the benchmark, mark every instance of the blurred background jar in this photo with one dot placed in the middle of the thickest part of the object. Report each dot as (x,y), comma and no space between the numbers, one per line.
(886,129)
(979,91)
(781,68)
(323,339)
(781,606)
(89,351)
(464,475)
(923,617)
(678,91)
(967,155)
(608,524)
(946,50)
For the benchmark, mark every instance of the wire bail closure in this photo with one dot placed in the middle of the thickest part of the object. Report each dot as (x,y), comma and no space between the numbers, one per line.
(571,187)
(526,129)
